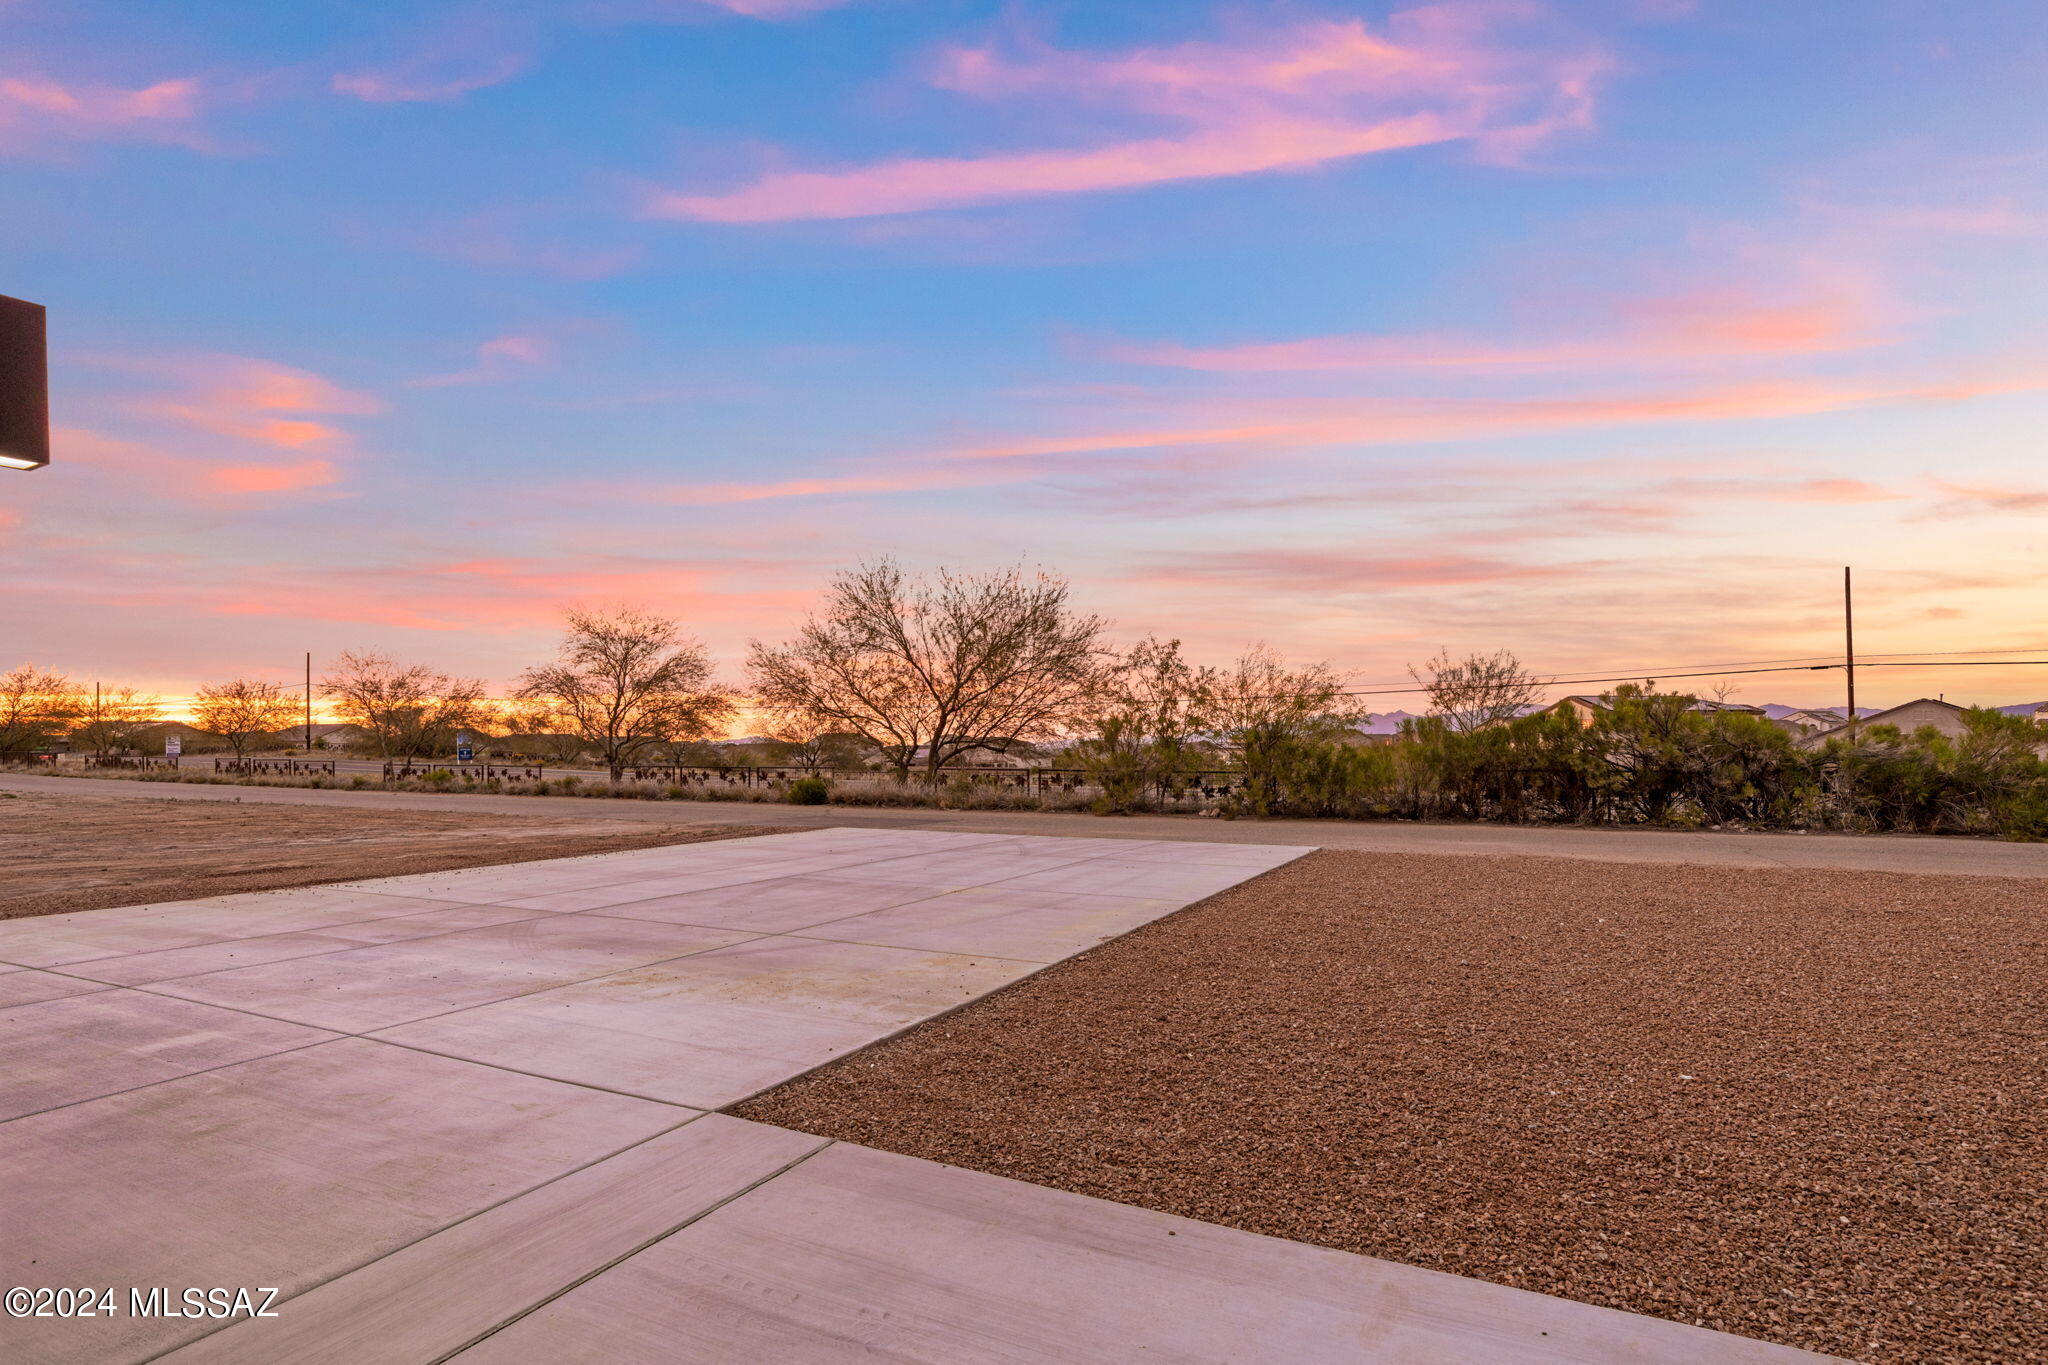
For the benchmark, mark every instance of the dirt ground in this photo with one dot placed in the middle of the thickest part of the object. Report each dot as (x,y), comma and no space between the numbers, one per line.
(1804,1106)
(84,853)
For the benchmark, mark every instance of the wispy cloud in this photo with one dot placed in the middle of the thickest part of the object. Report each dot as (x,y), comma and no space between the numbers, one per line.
(1307,423)
(1966,499)
(1334,572)
(682,10)
(1291,99)
(499,359)
(36,111)
(455,57)
(257,400)
(1713,324)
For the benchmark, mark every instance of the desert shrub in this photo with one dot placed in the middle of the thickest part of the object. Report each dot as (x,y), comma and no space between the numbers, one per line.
(809,791)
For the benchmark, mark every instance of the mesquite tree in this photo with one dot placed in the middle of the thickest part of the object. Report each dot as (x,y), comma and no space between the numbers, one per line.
(1477,690)
(624,681)
(406,710)
(243,711)
(940,666)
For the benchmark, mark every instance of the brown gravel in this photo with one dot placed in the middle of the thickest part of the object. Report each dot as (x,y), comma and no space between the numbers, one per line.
(85,853)
(1803,1106)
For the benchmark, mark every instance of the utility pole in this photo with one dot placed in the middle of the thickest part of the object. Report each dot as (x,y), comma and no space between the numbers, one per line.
(309,703)
(1849,647)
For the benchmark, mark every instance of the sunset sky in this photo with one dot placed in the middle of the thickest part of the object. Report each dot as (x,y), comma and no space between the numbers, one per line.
(1606,331)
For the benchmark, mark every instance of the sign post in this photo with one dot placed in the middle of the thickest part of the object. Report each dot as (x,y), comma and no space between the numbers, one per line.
(174,745)
(463,752)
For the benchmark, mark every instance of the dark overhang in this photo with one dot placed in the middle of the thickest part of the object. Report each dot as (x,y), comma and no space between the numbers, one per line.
(24,386)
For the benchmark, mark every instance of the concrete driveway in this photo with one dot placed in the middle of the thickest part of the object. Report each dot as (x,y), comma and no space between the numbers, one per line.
(467,1115)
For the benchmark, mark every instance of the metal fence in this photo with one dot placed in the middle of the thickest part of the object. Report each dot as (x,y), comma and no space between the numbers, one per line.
(1195,787)
(395,771)
(139,761)
(274,767)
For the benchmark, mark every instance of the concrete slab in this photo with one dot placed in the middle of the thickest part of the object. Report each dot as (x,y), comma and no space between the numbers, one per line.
(371,988)
(776,906)
(968,867)
(82,936)
(83,1046)
(285,1171)
(714,1028)
(137,969)
(679,883)
(25,986)
(1040,926)
(438,1295)
(859,1253)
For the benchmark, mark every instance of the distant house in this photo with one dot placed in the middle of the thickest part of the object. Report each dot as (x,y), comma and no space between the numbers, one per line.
(1944,716)
(1585,709)
(1380,727)
(1800,722)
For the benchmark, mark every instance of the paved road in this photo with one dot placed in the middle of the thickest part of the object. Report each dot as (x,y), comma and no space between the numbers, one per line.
(464,1115)
(1875,853)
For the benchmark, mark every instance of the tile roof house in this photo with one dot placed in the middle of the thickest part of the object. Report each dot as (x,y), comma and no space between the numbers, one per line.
(1944,716)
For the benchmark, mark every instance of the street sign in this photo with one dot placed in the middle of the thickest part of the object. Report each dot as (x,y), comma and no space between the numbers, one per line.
(173,745)
(463,752)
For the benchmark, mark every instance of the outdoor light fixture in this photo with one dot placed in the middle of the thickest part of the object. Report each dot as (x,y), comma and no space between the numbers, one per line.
(24,386)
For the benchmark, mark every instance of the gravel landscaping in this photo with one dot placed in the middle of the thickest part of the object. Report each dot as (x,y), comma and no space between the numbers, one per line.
(1804,1106)
(60,853)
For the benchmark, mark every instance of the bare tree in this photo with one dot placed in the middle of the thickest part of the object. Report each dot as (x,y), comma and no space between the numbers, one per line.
(946,666)
(244,710)
(35,707)
(1477,690)
(626,680)
(116,721)
(405,710)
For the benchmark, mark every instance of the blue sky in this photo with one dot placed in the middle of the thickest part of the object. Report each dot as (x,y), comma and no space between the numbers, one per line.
(1605,332)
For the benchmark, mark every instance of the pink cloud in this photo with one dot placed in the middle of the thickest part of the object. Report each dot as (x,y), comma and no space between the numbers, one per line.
(1698,326)
(142,470)
(1390,421)
(499,359)
(455,596)
(35,109)
(447,59)
(258,400)
(420,83)
(1963,499)
(1206,474)
(1306,96)
(775,9)
(1311,571)
(276,478)
(671,10)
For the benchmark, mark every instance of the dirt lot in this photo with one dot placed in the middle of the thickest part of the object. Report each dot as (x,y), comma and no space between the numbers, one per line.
(84,852)
(1804,1106)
